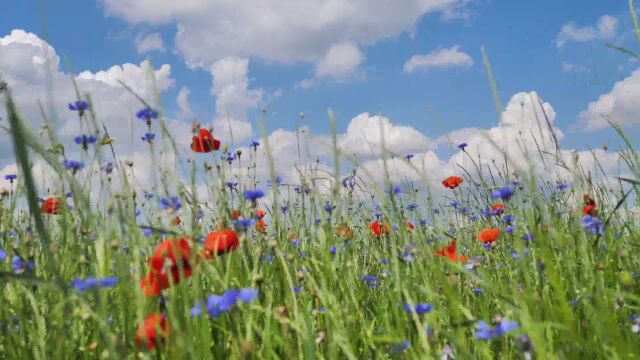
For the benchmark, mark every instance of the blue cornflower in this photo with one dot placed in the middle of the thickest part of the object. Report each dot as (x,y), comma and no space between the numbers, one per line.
(148,137)
(254,145)
(230,157)
(462,146)
(484,332)
(232,185)
(384,261)
(473,218)
(370,280)
(84,140)
(147,232)
(79,106)
(463,210)
(284,209)
(593,224)
(477,291)
(3,255)
(244,223)
(455,204)
(349,182)
(19,266)
(173,203)
(73,165)
(228,300)
(509,229)
(436,210)
(148,196)
(253,195)
(328,207)
(10,177)
(398,348)
(147,114)
(408,252)
(503,193)
(296,289)
(412,206)
(515,255)
(508,218)
(196,310)
(333,250)
(527,237)
(93,283)
(107,167)
(408,156)
(562,187)
(420,309)
(487,212)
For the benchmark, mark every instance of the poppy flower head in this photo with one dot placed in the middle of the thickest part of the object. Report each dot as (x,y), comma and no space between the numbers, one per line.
(170,256)
(220,242)
(452,182)
(51,206)
(152,332)
(450,252)
(410,227)
(344,231)
(260,214)
(235,214)
(204,142)
(497,209)
(488,235)
(176,220)
(590,207)
(153,283)
(377,228)
(261,226)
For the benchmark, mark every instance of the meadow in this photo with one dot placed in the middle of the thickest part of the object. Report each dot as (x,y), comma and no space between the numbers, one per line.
(498,262)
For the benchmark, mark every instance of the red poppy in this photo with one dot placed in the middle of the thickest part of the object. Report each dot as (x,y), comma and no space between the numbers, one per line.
(176,220)
(204,142)
(153,331)
(377,228)
(260,214)
(220,242)
(165,263)
(261,226)
(497,208)
(235,214)
(450,252)
(52,206)
(410,226)
(452,182)
(488,235)
(590,207)
(344,231)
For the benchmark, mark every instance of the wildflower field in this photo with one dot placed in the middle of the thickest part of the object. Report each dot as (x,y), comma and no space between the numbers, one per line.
(213,261)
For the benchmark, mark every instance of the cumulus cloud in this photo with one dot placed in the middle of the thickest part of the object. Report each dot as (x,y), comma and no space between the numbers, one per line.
(606,28)
(149,42)
(183,102)
(285,31)
(26,62)
(341,61)
(621,105)
(233,98)
(439,58)
(364,137)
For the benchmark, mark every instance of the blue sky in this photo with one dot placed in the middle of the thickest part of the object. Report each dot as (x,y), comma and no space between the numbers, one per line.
(519,37)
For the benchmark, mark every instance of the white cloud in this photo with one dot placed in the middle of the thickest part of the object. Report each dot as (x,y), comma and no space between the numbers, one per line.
(439,58)
(23,67)
(183,102)
(233,98)
(364,137)
(621,105)
(305,84)
(341,61)
(605,29)
(285,31)
(149,42)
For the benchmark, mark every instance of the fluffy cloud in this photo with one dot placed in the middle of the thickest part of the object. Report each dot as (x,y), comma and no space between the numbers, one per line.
(183,102)
(284,31)
(439,58)
(605,29)
(621,105)
(149,42)
(233,98)
(364,137)
(341,61)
